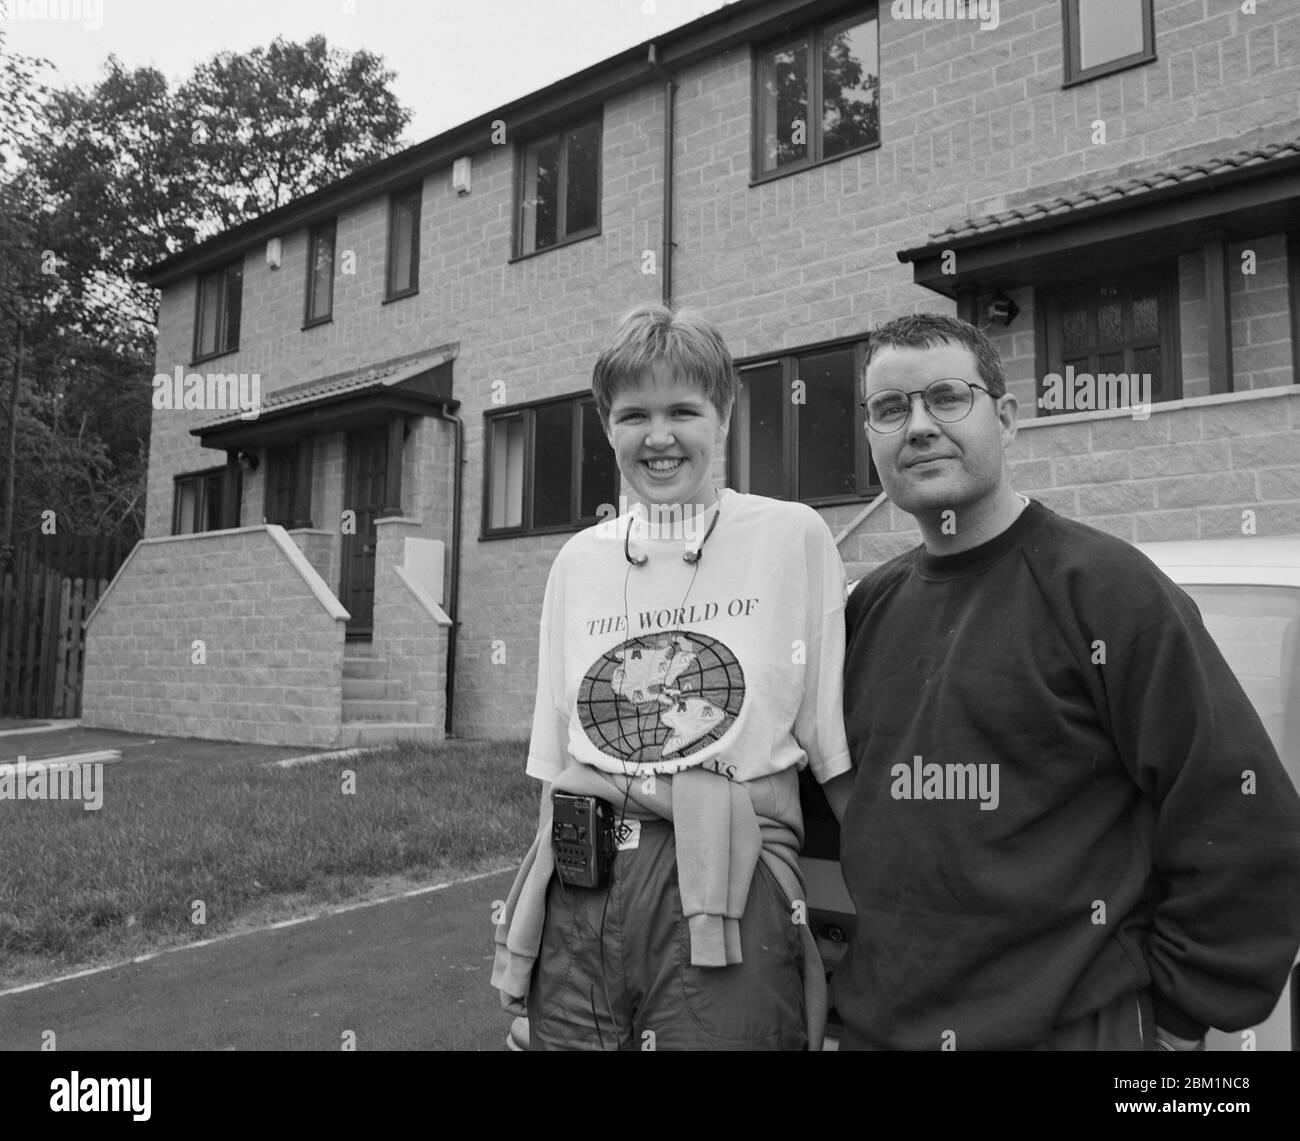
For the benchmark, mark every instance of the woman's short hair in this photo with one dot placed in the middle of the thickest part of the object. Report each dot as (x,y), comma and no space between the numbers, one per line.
(684,342)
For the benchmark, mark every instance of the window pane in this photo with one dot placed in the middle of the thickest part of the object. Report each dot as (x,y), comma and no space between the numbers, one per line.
(1110,363)
(1110,324)
(401,265)
(322,275)
(209,299)
(1148,361)
(1108,30)
(582,188)
(552,464)
(233,302)
(187,492)
(759,422)
(850,89)
(1146,318)
(783,89)
(1075,330)
(212,490)
(599,476)
(828,425)
(507,473)
(541,188)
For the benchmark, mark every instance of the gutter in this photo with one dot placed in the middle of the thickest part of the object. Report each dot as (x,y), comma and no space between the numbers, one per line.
(445,412)
(670,92)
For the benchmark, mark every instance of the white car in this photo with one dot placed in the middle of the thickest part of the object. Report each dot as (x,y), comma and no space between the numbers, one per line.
(1248,592)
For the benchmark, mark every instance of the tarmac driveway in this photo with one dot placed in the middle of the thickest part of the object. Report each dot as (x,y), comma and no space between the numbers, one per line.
(408,974)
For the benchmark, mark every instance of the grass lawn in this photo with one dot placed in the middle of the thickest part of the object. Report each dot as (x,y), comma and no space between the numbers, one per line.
(253,842)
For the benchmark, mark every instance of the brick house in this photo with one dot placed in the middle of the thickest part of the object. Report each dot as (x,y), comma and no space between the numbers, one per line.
(1107,197)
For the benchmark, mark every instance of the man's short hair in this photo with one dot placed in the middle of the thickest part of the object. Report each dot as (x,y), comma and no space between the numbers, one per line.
(929,331)
(685,342)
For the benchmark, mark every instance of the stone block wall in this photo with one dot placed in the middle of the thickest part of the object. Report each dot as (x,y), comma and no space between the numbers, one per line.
(272,654)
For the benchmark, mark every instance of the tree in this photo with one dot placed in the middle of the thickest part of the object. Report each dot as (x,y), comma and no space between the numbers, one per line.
(105,182)
(160,170)
(272,125)
(22,289)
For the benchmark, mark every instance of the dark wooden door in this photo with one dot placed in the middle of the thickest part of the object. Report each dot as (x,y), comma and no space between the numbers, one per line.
(367,469)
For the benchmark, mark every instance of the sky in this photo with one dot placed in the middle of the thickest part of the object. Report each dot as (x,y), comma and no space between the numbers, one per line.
(455,59)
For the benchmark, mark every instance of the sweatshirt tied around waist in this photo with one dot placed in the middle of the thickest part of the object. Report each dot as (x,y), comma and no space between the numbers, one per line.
(721,830)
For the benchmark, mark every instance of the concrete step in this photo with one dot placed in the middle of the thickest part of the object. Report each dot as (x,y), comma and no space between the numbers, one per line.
(371,689)
(364,666)
(380,710)
(367,733)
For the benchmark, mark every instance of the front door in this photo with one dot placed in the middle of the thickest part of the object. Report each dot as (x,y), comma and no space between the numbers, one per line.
(367,469)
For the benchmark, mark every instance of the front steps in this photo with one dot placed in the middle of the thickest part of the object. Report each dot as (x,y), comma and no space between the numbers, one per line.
(374,712)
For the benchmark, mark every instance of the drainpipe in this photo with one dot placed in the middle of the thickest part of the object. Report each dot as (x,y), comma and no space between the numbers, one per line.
(453,590)
(670,90)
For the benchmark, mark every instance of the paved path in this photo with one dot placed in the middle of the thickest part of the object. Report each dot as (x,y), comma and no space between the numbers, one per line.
(410,974)
(136,746)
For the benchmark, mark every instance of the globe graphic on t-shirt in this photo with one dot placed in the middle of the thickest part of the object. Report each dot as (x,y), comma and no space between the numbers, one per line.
(660,698)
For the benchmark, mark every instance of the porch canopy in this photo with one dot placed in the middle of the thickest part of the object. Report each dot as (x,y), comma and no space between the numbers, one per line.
(378,396)
(1202,206)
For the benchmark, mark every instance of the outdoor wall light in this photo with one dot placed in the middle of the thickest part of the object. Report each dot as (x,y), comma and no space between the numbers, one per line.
(460,175)
(247,460)
(1001,308)
(274,252)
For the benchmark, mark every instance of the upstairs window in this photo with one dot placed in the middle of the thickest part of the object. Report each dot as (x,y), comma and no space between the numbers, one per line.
(403,244)
(1104,36)
(216,321)
(559,189)
(320,275)
(817,96)
(549,468)
(798,432)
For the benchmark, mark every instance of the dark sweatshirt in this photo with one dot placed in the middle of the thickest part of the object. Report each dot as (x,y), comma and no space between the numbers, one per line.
(1113,845)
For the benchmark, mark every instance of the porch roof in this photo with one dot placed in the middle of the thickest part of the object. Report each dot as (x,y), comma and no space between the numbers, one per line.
(359,398)
(1161,213)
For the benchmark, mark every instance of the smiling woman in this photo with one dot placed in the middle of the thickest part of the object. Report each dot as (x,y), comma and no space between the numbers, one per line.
(677,697)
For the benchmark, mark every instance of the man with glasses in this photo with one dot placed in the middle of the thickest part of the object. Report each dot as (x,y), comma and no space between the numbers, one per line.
(1052,841)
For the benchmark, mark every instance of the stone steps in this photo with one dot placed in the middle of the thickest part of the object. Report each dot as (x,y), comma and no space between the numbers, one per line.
(374,711)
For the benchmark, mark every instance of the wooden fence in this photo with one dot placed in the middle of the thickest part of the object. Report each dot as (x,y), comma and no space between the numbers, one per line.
(45,594)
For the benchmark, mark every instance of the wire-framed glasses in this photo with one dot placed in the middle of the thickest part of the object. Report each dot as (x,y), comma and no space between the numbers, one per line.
(947,399)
